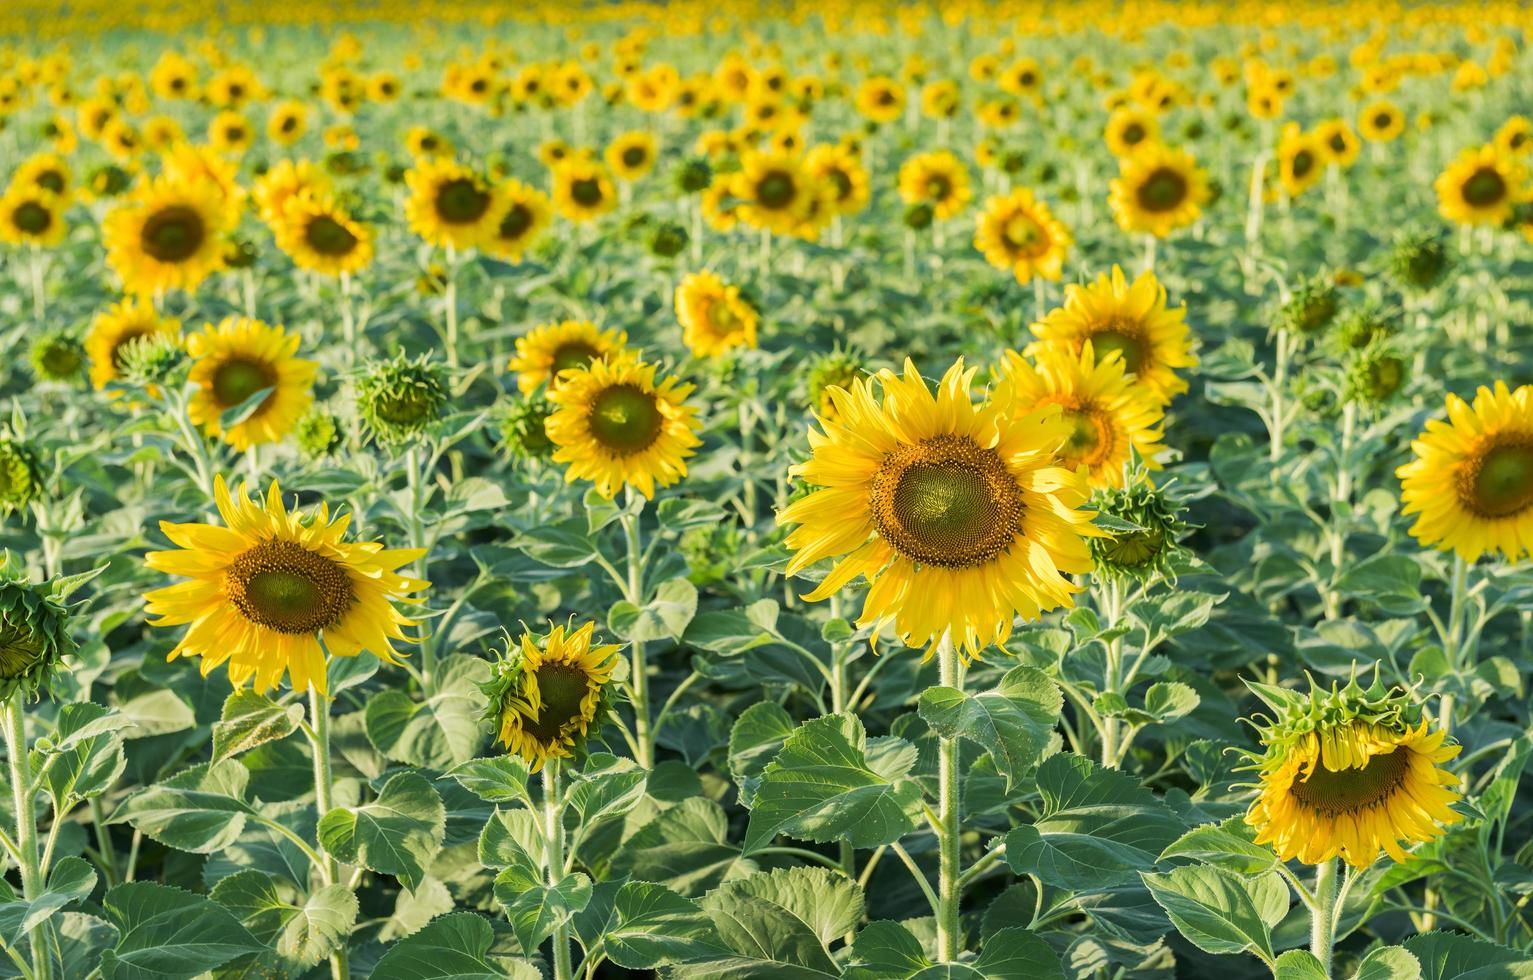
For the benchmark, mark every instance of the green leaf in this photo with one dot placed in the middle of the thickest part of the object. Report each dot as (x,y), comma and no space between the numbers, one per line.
(250,719)
(303,931)
(398,833)
(1230,845)
(664,617)
(830,905)
(1170,700)
(86,755)
(536,909)
(200,810)
(727,631)
(563,545)
(610,787)
(1455,956)
(1388,963)
(768,940)
(501,779)
(442,731)
(1219,911)
(1096,829)
(686,848)
(1018,953)
(887,951)
(1298,964)
(164,933)
(454,947)
(1013,722)
(822,787)
(156,713)
(71,880)
(757,737)
(648,926)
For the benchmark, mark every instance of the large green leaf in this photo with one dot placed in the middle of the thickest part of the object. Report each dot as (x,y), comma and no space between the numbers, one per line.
(647,925)
(250,719)
(454,947)
(1220,911)
(398,833)
(71,880)
(536,909)
(1455,956)
(302,930)
(166,933)
(1013,721)
(442,731)
(499,779)
(686,848)
(665,617)
(200,810)
(758,735)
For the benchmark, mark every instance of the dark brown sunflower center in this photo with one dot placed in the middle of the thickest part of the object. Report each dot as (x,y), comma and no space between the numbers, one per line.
(1133,133)
(561,689)
(288,124)
(329,237)
(574,354)
(938,187)
(776,190)
(516,222)
(1303,163)
(634,156)
(1500,482)
(946,502)
(32,218)
(1382,120)
(51,180)
(238,379)
(1485,187)
(1163,190)
(173,234)
(1334,793)
(586,192)
(1338,143)
(235,134)
(626,420)
(284,586)
(1127,342)
(20,650)
(460,201)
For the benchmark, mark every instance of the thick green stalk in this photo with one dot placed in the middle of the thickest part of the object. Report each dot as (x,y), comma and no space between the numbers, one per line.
(948,816)
(22,796)
(1322,932)
(330,872)
(638,680)
(553,828)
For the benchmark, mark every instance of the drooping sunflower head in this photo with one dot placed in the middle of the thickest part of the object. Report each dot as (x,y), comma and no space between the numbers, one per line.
(1112,418)
(550,693)
(31,216)
(1347,772)
(274,591)
(322,236)
(525,213)
(523,426)
(34,627)
(552,348)
(1366,323)
(1470,481)
(614,426)
(1311,308)
(1130,318)
(400,398)
(115,329)
(1018,232)
(250,387)
(1147,544)
(1481,187)
(449,205)
(937,179)
(714,315)
(1158,190)
(168,235)
(958,514)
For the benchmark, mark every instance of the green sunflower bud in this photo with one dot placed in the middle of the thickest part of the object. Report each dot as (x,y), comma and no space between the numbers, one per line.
(1375,376)
(522,432)
(693,175)
(1151,548)
(56,356)
(34,633)
(318,433)
(1364,325)
(109,180)
(21,476)
(400,398)
(667,240)
(1420,260)
(1312,307)
(154,359)
(918,217)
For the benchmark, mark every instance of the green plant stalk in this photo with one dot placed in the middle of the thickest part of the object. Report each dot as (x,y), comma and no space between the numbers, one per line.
(638,681)
(1279,380)
(1112,611)
(417,535)
(23,795)
(330,871)
(553,826)
(839,702)
(39,264)
(1341,500)
(747,481)
(1453,643)
(450,306)
(1322,930)
(948,815)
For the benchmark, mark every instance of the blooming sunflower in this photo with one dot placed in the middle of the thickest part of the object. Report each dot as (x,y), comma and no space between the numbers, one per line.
(1515,137)
(614,425)
(631,155)
(230,133)
(321,236)
(1111,416)
(880,99)
(1471,478)
(582,189)
(938,179)
(959,515)
(1158,190)
(525,213)
(1301,160)
(30,215)
(1380,122)
(287,123)
(195,165)
(838,166)
(232,363)
(1347,772)
(551,348)
(283,182)
(549,694)
(1019,233)
(1131,319)
(116,327)
(167,236)
(423,142)
(1129,128)
(45,171)
(776,191)
(1338,141)
(1481,187)
(714,316)
(449,204)
(272,592)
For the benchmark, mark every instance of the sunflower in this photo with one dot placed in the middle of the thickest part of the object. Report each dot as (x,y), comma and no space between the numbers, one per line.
(1019,233)
(958,515)
(283,182)
(714,316)
(1515,137)
(31,216)
(423,142)
(1158,190)
(1129,128)
(114,328)
(45,171)
(614,425)
(1338,141)
(583,190)
(383,87)
(1111,416)
(938,179)
(550,694)
(721,209)
(940,99)
(449,204)
(880,98)
(1348,772)
(840,168)
(230,133)
(550,348)
(287,123)
(1022,77)
(525,213)
(187,164)
(272,591)
(631,155)
(1301,160)
(552,152)
(1481,187)
(173,76)
(1131,319)
(162,133)
(776,190)
(319,235)
(168,235)
(235,361)
(1380,122)
(1471,479)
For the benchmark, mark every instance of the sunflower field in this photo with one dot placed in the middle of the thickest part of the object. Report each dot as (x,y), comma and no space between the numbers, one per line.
(858,489)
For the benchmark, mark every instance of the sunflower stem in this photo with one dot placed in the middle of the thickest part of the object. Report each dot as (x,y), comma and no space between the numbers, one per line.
(23,794)
(1453,642)
(1322,933)
(39,264)
(450,306)
(1279,381)
(948,814)
(553,826)
(1340,503)
(330,871)
(417,530)
(638,681)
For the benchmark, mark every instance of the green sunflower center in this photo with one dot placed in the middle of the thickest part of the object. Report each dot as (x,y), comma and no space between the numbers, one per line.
(1133,133)
(461,201)
(173,234)
(516,222)
(1335,793)
(1163,190)
(573,354)
(1024,235)
(329,237)
(59,360)
(285,587)
(586,192)
(776,190)
(561,689)
(1090,440)
(946,502)
(20,650)
(1129,344)
(32,218)
(626,419)
(938,187)
(1485,187)
(1303,163)
(1501,482)
(634,156)
(238,379)
(50,180)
